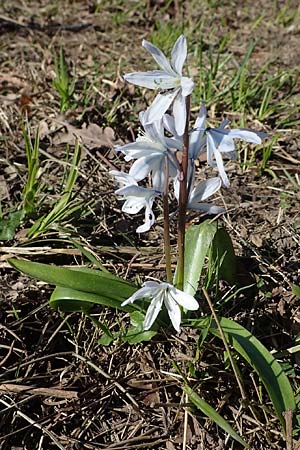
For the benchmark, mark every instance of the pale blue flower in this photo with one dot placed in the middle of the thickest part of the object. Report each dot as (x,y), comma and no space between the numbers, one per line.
(200,193)
(221,141)
(169,79)
(163,293)
(136,198)
(150,150)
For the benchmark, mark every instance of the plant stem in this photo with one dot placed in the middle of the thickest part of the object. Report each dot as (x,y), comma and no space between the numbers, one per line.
(167,224)
(183,196)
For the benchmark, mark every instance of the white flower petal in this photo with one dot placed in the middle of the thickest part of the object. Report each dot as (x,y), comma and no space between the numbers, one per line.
(247,135)
(159,57)
(144,165)
(133,205)
(185,300)
(141,293)
(123,178)
(206,207)
(153,311)
(145,148)
(210,146)
(174,312)
(169,123)
(221,169)
(160,105)
(222,140)
(179,111)
(187,86)
(179,53)
(154,79)
(205,189)
(149,219)
(159,175)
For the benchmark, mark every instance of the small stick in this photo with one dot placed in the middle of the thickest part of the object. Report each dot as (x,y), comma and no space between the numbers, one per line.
(288,417)
(48,392)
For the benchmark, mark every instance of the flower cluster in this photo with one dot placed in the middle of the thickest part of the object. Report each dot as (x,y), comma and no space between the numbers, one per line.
(157,157)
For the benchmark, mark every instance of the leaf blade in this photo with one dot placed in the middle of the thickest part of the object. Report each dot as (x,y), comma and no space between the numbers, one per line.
(210,412)
(81,279)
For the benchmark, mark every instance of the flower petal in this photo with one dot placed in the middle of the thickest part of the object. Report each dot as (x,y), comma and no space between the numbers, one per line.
(169,123)
(124,178)
(222,139)
(205,189)
(154,79)
(144,165)
(160,105)
(153,311)
(247,135)
(179,53)
(144,292)
(220,166)
(149,219)
(173,311)
(207,207)
(185,300)
(159,57)
(187,86)
(133,205)
(179,111)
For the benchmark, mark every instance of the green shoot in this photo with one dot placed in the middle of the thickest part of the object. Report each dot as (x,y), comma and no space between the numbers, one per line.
(66,205)
(32,185)
(62,83)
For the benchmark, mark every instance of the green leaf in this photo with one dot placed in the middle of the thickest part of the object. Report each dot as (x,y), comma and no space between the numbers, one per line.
(210,412)
(223,257)
(8,226)
(72,300)
(136,333)
(81,279)
(296,290)
(263,362)
(198,239)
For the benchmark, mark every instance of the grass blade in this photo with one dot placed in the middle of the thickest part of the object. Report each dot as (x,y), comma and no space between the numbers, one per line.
(210,412)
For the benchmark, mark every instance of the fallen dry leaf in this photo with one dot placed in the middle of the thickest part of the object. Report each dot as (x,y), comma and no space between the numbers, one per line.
(90,135)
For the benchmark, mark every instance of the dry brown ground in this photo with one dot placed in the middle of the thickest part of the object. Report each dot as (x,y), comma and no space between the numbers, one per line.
(61,388)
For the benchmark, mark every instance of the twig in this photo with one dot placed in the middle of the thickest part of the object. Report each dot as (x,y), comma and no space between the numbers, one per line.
(108,377)
(35,424)
(48,392)
(288,417)
(185,424)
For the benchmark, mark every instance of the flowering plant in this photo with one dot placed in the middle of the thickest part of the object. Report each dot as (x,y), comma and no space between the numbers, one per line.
(167,151)
(164,154)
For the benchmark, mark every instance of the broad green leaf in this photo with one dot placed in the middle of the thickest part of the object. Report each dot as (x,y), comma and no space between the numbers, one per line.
(223,256)
(198,239)
(81,279)
(135,337)
(8,226)
(72,300)
(210,412)
(263,362)
(296,290)
(136,333)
